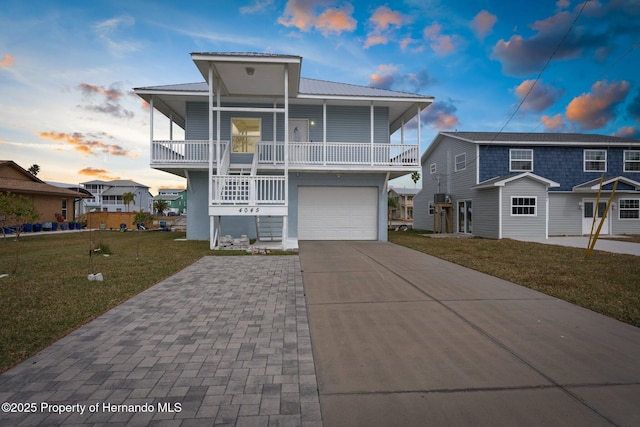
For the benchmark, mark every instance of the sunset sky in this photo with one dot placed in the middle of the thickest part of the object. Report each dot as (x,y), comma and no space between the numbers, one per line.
(67,68)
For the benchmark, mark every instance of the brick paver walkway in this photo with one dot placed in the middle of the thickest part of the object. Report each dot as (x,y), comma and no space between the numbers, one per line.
(225,341)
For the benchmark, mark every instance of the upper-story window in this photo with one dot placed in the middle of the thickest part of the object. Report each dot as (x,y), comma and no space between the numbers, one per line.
(432,168)
(461,162)
(595,160)
(632,161)
(520,160)
(245,134)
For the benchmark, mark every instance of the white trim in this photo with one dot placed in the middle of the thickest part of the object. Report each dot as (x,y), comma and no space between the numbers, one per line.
(584,159)
(620,209)
(535,206)
(455,162)
(624,161)
(500,213)
(511,159)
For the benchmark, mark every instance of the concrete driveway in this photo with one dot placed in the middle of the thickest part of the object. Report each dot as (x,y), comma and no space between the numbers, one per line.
(405,339)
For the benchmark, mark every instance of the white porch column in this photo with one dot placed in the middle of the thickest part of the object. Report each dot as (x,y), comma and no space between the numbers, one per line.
(419,130)
(151,127)
(324,131)
(372,118)
(210,134)
(171,126)
(285,218)
(402,133)
(275,133)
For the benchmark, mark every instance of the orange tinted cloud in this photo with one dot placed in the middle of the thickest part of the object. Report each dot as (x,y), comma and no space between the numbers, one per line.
(302,15)
(384,77)
(538,96)
(594,110)
(82,143)
(383,19)
(112,94)
(7,61)
(482,24)
(98,173)
(628,132)
(553,123)
(441,44)
(441,115)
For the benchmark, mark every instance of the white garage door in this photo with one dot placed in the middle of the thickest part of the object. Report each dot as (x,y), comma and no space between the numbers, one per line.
(337,213)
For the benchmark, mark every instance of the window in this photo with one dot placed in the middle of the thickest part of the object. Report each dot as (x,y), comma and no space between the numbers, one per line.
(461,162)
(245,134)
(595,161)
(629,209)
(523,206)
(431,208)
(520,160)
(432,168)
(64,208)
(632,161)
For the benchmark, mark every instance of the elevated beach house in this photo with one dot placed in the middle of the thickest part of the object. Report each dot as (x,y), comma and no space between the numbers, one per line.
(278,157)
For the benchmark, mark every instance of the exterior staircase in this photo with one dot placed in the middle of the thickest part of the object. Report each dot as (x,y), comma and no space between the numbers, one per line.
(269,228)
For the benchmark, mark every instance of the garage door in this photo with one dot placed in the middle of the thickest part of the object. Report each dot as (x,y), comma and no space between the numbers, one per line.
(337,213)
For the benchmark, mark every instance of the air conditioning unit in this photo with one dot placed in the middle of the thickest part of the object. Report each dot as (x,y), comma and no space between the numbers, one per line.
(441,198)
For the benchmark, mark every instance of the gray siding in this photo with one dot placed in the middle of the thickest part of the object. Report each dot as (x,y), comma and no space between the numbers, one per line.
(518,227)
(445,180)
(198,217)
(344,123)
(486,205)
(565,215)
(624,226)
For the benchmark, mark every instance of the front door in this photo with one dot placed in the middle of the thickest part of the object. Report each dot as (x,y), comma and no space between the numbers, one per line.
(465,211)
(589,211)
(298,134)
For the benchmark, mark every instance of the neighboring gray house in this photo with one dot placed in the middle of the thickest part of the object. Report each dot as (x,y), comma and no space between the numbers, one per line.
(107,196)
(275,156)
(524,185)
(404,198)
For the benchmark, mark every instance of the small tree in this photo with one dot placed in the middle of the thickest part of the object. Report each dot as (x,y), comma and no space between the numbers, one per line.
(415,177)
(16,211)
(160,206)
(128,198)
(392,203)
(34,169)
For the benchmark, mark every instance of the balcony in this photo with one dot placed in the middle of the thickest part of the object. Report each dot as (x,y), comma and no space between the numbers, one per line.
(248,195)
(332,154)
(194,153)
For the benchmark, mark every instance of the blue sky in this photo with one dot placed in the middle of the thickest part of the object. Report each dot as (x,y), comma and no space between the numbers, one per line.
(67,67)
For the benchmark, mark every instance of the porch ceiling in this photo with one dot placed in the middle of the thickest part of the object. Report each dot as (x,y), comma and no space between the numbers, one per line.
(251,75)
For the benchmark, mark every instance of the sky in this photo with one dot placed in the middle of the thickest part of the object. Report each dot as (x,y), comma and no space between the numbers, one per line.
(67,68)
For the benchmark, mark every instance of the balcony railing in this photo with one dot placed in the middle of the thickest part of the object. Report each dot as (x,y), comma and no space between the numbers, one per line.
(246,190)
(183,152)
(340,153)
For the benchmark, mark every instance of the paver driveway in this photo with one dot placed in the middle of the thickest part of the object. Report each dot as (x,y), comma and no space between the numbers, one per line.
(401,338)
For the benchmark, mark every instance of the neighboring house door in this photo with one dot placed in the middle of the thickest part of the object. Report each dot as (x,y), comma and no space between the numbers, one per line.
(589,210)
(298,133)
(465,210)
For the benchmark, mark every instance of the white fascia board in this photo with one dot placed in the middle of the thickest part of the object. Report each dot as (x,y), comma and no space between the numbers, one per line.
(533,176)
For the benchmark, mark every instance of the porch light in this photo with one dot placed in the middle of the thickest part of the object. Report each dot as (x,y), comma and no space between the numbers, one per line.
(250,71)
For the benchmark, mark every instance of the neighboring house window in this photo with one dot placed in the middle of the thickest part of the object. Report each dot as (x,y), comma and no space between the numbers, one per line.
(245,134)
(64,208)
(520,160)
(595,160)
(432,168)
(629,209)
(431,208)
(523,206)
(632,161)
(461,162)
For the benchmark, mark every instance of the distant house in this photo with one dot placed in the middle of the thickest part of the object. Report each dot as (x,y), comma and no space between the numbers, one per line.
(404,198)
(107,196)
(176,199)
(279,157)
(524,185)
(52,202)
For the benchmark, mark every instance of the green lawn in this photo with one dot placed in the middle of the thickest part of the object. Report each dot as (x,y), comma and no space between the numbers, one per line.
(607,283)
(50,295)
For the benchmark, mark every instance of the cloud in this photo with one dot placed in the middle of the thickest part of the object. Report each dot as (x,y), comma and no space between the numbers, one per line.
(98,173)
(563,4)
(383,20)
(303,15)
(87,144)
(553,123)
(538,97)
(598,30)
(258,7)
(482,24)
(7,61)
(441,44)
(634,107)
(594,110)
(628,132)
(109,32)
(110,105)
(441,115)
(389,77)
